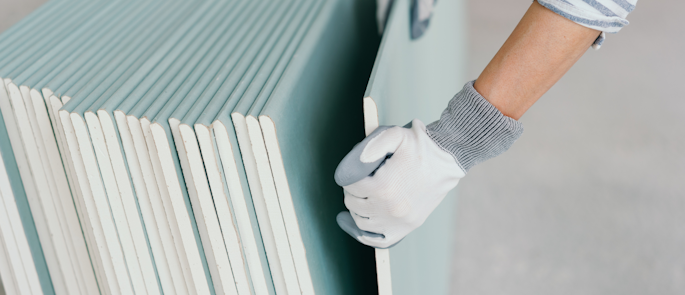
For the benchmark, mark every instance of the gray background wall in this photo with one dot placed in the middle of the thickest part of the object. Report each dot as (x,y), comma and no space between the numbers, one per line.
(591,199)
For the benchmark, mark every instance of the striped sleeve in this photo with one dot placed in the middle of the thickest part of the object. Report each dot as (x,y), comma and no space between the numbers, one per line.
(607,16)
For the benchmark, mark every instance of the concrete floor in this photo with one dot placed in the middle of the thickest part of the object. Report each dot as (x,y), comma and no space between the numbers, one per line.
(591,199)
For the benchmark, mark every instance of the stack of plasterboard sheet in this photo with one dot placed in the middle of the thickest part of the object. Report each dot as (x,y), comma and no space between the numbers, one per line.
(133,128)
(22,265)
(30,53)
(416,79)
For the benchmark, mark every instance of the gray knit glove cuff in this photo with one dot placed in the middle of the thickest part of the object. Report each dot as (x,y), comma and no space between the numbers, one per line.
(472,129)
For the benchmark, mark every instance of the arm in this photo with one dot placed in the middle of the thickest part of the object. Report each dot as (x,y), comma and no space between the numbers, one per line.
(397,176)
(542,48)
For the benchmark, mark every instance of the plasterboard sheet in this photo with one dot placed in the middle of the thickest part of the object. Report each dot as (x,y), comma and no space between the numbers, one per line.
(285,252)
(71,84)
(36,196)
(160,75)
(221,235)
(300,91)
(91,229)
(44,135)
(109,74)
(193,33)
(201,91)
(34,22)
(225,177)
(205,84)
(244,92)
(185,96)
(163,89)
(39,121)
(67,98)
(28,124)
(404,70)
(17,276)
(18,228)
(83,58)
(104,139)
(229,84)
(9,284)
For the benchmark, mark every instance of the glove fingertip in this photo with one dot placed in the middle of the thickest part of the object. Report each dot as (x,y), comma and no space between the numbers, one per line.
(347,224)
(351,169)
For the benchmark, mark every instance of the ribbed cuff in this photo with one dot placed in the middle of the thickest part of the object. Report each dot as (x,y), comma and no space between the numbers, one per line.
(472,129)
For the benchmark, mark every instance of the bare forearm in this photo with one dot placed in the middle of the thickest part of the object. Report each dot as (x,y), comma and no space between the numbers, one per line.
(542,48)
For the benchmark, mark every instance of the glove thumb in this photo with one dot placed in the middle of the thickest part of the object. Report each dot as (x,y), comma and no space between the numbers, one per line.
(368,155)
(383,145)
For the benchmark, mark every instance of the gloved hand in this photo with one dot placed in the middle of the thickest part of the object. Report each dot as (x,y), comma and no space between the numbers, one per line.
(394,178)
(421,12)
(411,175)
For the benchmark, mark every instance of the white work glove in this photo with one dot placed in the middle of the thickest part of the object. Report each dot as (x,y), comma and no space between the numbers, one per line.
(397,176)
(392,181)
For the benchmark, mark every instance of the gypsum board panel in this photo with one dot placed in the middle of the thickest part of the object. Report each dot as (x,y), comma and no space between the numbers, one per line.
(123,59)
(102,240)
(50,27)
(302,269)
(110,73)
(253,78)
(119,215)
(105,111)
(37,21)
(58,161)
(110,132)
(151,92)
(26,53)
(122,202)
(54,59)
(177,191)
(49,207)
(183,221)
(274,235)
(377,87)
(154,178)
(59,227)
(251,238)
(188,93)
(71,80)
(7,277)
(216,212)
(57,179)
(51,99)
(215,172)
(13,196)
(52,239)
(92,229)
(406,69)
(107,31)
(106,95)
(49,198)
(299,135)
(17,275)
(26,24)
(27,199)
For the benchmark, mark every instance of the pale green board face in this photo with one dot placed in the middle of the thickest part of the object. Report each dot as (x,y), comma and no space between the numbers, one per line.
(416,79)
(317,111)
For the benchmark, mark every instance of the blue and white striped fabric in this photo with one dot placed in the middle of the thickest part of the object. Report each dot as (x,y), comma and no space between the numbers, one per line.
(607,16)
